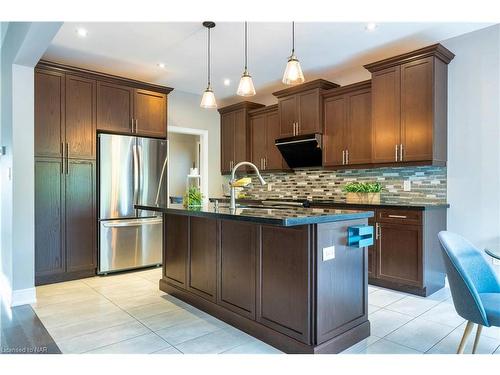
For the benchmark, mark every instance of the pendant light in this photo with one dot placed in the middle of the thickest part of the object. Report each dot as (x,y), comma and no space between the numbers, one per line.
(293,72)
(246,88)
(208,98)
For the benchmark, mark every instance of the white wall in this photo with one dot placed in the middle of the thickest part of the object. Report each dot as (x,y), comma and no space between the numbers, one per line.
(184,111)
(182,155)
(474,136)
(23,45)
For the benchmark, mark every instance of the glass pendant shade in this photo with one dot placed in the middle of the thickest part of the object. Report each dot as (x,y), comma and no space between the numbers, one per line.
(293,72)
(208,99)
(245,88)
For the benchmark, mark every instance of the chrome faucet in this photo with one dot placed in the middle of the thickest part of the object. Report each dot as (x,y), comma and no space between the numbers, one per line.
(232,205)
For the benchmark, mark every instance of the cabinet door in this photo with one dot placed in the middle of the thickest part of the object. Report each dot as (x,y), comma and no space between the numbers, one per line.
(237,267)
(400,253)
(150,113)
(417,110)
(309,112)
(50,257)
(203,257)
(283,269)
(372,252)
(359,127)
(274,160)
(258,141)
(80,117)
(334,144)
(227,141)
(386,114)
(287,107)
(80,216)
(240,136)
(49,113)
(176,249)
(114,107)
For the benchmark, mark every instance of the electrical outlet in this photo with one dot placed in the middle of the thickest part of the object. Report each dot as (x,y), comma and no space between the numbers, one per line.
(407,185)
(328,253)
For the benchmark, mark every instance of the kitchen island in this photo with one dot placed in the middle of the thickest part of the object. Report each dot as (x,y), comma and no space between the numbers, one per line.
(284,275)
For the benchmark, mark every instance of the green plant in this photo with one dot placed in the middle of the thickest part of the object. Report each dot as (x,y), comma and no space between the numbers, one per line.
(192,197)
(362,187)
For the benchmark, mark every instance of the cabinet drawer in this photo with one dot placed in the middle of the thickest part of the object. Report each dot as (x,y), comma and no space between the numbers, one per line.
(399,216)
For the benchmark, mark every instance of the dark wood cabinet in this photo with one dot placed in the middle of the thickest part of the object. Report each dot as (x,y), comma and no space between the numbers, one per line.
(409,107)
(237,267)
(49,113)
(150,113)
(300,108)
(264,130)
(235,134)
(65,239)
(347,126)
(115,107)
(176,249)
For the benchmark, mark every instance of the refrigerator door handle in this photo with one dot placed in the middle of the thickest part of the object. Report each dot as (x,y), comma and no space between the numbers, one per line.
(132,223)
(136,173)
(160,181)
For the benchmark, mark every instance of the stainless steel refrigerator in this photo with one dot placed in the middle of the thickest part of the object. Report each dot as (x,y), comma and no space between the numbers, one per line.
(132,170)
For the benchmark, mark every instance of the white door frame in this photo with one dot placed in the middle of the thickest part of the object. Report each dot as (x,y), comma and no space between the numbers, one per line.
(203,156)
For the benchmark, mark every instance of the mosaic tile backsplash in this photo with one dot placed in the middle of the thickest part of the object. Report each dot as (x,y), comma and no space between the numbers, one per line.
(428,184)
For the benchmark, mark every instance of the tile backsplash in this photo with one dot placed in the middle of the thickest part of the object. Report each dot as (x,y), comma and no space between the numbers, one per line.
(428,184)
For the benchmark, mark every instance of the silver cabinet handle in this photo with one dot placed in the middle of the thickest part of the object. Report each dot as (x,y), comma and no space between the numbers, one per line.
(347,156)
(398,216)
(396,153)
(378,231)
(401,152)
(132,223)
(343,157)
(67,156)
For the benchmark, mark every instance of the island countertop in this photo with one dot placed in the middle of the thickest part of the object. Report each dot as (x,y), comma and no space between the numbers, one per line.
(285,217)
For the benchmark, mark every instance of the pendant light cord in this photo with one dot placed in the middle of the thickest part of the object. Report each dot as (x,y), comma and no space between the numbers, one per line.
(293,37)
(208,57)
(246,46)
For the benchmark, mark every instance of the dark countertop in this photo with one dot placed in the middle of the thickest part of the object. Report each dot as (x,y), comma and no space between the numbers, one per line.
(285,217)
(340,204)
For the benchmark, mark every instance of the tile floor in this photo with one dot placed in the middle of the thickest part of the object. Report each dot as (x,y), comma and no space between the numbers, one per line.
(98,315)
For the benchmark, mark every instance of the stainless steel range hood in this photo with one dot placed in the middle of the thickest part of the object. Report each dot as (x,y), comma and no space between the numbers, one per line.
(301,151)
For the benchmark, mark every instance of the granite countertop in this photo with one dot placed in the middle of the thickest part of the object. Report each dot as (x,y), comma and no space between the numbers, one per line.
(285,217)
(333,204)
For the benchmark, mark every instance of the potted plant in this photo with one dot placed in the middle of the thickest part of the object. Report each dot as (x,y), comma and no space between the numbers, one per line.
(362,192)
(192,197)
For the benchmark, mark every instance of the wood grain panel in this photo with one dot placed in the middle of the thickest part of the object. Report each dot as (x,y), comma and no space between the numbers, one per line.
(287,110)
(203,257)
(309,112)
(240,136)
(49,113)
(175,255)
(227,141)
(80,117)
(238,267)
(150,113)
(258,139)
(81,252)
(359,127)
(335,128)
(115,107)
(274,160)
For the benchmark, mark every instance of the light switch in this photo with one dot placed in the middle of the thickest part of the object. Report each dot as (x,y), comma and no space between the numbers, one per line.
(328,253)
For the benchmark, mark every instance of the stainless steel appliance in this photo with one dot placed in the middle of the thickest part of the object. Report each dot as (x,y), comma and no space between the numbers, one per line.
(132,170)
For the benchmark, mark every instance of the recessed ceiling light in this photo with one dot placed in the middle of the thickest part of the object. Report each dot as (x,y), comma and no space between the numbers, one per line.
(371,26)
(161,65)
(81,32)
(227,82)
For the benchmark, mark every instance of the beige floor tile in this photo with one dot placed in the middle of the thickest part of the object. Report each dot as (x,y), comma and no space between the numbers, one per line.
(135,301)
(443,313)
(413,306)
(145,311)
(362,345)
(253,347)
(372,309)
(103,337)
(145,344)
(385,321)
(384,297)
(85,312)
(419,334)
(213,343)
(101,322)
(387,347)
(83,295)
(169,350)
(449,344)
(168,319)
(70,307)
(182,332)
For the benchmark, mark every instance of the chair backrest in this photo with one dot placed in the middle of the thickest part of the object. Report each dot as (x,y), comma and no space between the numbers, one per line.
(468,275)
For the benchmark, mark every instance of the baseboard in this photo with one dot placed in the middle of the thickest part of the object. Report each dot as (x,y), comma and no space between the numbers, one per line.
(23,297)
(5,290)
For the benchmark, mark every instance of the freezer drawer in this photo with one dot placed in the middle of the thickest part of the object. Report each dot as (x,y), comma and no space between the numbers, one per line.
(132,243)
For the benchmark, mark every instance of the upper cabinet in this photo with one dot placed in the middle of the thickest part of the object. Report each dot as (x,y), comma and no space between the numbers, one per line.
(409,107)
(300,108)
(264,130)
(347,125)
(235,134)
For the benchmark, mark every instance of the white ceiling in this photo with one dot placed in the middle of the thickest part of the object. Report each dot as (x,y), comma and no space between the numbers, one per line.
(335,51)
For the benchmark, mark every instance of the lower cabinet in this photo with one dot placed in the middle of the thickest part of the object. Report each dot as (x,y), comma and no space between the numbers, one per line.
(176,249)
(65,232)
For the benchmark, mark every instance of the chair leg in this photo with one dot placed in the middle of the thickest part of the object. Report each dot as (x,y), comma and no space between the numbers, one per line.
(476,339)
(468,329)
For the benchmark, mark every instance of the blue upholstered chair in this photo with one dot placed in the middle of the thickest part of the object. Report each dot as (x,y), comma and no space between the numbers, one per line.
(474,286)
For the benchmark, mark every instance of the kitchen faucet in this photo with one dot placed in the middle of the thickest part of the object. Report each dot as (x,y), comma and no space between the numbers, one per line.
(232,205)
